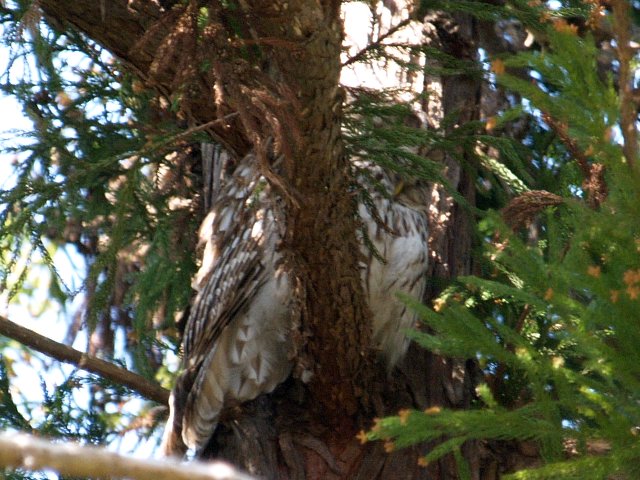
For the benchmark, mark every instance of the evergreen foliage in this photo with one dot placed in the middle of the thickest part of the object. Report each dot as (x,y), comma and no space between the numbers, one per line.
(62,415)
(553,323)
(109,171)
(97,180)
(93,175)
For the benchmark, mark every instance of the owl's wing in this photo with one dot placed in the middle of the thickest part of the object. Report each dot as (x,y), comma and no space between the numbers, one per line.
(231,274)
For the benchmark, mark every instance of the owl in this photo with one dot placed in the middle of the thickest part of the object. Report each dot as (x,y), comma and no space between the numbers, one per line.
(236,343)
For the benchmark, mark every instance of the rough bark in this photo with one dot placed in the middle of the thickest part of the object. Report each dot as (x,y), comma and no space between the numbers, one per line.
(321,227)
(300,432)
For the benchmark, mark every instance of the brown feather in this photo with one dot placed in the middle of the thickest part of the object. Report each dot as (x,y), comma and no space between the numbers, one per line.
(236,341)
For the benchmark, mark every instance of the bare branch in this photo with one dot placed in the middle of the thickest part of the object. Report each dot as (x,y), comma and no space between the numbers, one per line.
(69,459)
(66,354)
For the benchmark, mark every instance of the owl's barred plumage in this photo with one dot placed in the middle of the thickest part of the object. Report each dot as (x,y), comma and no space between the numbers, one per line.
(236,341)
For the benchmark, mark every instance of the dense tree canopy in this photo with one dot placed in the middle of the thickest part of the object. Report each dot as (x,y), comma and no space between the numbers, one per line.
(519,117)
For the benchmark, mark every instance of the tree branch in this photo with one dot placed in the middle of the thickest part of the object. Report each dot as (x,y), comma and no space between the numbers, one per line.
(66,354)
(628,108)
(137,32)
(594,183)
(31,453)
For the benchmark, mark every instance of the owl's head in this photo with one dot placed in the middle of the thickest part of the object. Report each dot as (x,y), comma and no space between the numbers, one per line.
(413,192)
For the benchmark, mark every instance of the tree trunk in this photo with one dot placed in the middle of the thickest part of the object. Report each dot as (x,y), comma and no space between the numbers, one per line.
(288,105)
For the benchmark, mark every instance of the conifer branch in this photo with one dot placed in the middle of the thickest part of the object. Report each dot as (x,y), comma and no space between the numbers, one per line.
(74,460)
(496,381)
(66,354)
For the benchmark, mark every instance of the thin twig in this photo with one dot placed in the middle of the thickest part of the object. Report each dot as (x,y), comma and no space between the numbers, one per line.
(66,354)
(594,182)
(362,53)
(496,380)
(576,152)
(200,128)
(74,460)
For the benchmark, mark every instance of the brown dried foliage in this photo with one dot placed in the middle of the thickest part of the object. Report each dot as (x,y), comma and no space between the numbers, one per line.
(521,210)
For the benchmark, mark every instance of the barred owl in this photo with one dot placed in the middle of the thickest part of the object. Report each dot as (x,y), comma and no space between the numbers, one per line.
(236,341)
